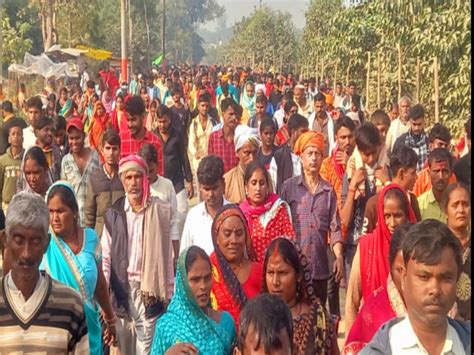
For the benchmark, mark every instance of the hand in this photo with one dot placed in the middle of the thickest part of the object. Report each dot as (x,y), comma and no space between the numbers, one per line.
(342,157)
(181,349)
(197,156)
(338,268)
(110,335)
(382,174)
(189,189)
(358,177)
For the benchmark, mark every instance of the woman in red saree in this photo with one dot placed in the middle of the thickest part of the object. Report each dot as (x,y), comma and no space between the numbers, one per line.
(382,304)
(236,276)
(100,122)
(370,266)
(119,119)
(268,216)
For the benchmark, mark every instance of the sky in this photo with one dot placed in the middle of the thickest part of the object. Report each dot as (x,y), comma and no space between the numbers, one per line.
(235,9)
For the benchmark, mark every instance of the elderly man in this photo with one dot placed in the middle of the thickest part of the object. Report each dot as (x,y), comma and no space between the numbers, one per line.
(313,207)
(39,314)
(305,107)
(137,257)
(399,125)
(247,142)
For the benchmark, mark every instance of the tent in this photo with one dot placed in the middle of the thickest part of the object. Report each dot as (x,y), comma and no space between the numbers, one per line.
(42,65)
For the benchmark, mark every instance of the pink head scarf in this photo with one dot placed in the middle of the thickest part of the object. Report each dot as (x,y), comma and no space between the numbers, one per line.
(135,163)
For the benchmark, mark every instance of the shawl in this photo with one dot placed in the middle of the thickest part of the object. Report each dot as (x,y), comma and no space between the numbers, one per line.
(24,186)
(256,211)
(233,284)
(375,246)
(338,168)
(184,321)
(234,185)
(66,109)
(248,103)
(98,125)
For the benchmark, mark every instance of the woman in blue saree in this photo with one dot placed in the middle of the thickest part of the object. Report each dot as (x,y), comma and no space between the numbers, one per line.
(190,325)
(74,258)
(64,104)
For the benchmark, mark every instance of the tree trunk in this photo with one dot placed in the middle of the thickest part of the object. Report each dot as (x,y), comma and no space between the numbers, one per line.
(48,20)
(147,36)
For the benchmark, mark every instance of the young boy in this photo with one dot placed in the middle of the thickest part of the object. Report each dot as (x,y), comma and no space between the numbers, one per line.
(44,140)
(268,147)
(10,163)
(59,134)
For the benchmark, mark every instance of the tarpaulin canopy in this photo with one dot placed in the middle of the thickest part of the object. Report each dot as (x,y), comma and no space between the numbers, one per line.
(44,66)
(99,54)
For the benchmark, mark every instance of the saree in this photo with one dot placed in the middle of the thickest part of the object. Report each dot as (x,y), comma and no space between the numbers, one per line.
(247,103)
(374,247)
(66,109)
(79,272)
(98,126)
(185,321)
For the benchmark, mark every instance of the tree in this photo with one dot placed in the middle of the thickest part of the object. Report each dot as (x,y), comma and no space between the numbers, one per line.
(15,41)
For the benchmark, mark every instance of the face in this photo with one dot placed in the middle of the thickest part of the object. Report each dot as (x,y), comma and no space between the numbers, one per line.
(212,195)
(132,183)
(259,109)
(408,178)
(152,170)
(61,217)
(15,136)
(458,209)
(417,126)
(111,154)
(440,174)
(268,136)
(231,239)
(345,140)
(251,341)
(383,129)
(352,90)
(134,123)
(438,143)
(27,246)
(35,175)
(33,115)
(311,160)
(298,94)
(281,278)
(257,187)
(393,113)
(76,140)
(176,97)
(100,110)
(200,281)
(247,154)
(338,89)
(45,135)
(296,133)
(163,124)
(430,290)
(370,157)
(396,270)
(250,90)
(203,108)
(404,109)
(393,214)
(230,118)
(319,106)
(60,137)
(63,95)
(119,104)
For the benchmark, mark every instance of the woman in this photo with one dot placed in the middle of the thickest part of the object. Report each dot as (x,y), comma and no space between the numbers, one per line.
(236,277)
(248,102)
(150,122)
(100,122)
(456,203)
(107,100)
(35,173)
(286,273)
(370,266)
(190,325)
(51,106)
(64,104)
(74,258)
(87,117)
(119,120)
(268,216)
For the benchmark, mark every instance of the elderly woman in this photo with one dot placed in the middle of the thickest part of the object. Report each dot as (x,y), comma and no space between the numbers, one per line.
(286,274)
(35,173)
(268,216)
(74,258)
(236,275)
(190,325)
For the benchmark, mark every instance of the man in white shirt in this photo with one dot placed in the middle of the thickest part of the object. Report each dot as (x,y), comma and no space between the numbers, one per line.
(399,125)
(35,111)
(305,107)
(433,259)
(197,227)
(279,115)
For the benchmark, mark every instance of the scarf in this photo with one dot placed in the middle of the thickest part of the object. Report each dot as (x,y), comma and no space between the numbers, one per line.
(375,246)
(420,146)
(256,211)
(248,102)
(98,125)
(136,163)
(339,169)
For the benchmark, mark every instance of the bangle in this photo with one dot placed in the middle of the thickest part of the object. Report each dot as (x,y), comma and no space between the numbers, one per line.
(111,321)
(352,189)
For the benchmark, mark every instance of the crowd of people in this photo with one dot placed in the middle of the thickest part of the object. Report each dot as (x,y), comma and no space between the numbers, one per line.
(300,192)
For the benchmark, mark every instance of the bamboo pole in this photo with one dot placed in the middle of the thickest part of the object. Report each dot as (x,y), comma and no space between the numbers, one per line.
(418,69)
(367,99)
(436,88)
(335,78)
(399,70)
(347,73)
(379,70)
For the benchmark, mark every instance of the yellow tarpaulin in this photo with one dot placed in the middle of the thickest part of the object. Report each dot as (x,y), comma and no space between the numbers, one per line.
(99,54)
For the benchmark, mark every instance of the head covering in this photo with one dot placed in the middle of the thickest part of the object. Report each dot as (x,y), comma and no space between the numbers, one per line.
(244,134)
(374,247)
(309,139)
(354,116)
(136,163)
(247,102)
(185,321)
(76,122)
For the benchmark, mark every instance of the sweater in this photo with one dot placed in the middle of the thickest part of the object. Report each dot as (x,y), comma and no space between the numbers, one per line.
(9,174)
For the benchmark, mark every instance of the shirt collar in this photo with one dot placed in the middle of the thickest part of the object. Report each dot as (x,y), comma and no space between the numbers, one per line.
(431,197)
(204,212)
(322,186)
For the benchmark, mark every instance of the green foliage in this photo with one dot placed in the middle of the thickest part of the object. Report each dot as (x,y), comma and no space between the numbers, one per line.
(15,41)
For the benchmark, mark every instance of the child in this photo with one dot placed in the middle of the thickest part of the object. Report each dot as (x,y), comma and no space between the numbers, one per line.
(10,164)
(59,134)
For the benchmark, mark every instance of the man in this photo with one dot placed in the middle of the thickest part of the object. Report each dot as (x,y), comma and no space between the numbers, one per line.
(351,93)
(312,90)
(152,90)
(393,111)
(267,135)
(462,168)
(39,314)
(260,112)
(285,164)
(137,134)
(403,171)
(399,125)
(266,327)
(176,162)
(439,137)
(79,163)
(137,258)
(247,142)
(221,142)
(305,107)
(181,115)
(276,96)
(320,121)
(381,120)
(134,87)
(44,140)
(282,134)
(441,168)
(416,138)
(60,135)
(313,205)
(104,187)
(9,120)
(279,115)
(197,228)
(34,107)
(338,95)
(432,261)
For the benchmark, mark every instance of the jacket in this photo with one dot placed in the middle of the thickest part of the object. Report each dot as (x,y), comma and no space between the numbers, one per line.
(284,163)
